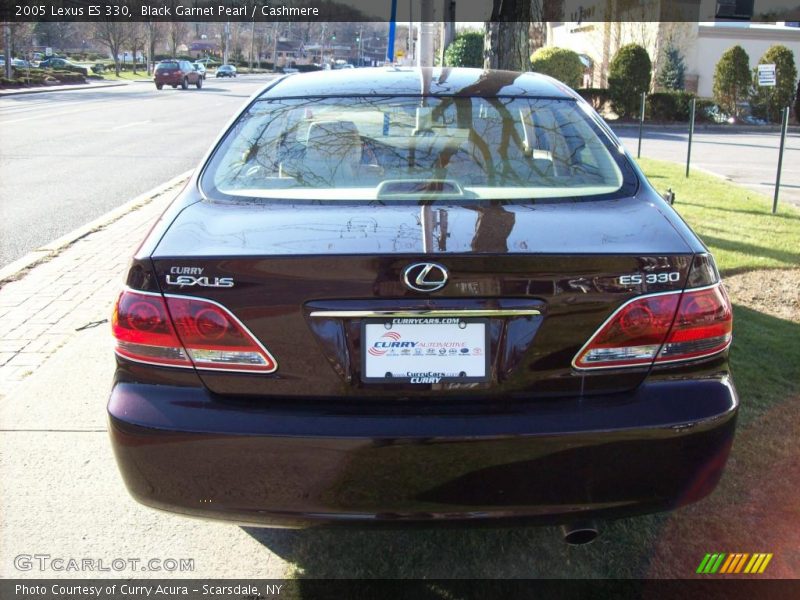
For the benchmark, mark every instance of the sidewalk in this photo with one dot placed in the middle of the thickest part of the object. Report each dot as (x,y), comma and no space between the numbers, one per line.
(60,88)
(72,287)
(64,495)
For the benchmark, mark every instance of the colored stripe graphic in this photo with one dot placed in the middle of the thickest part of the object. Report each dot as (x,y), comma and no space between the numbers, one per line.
(715,568)
(741,563)
(735,562)
(703,563)
(765,563)
(732,558)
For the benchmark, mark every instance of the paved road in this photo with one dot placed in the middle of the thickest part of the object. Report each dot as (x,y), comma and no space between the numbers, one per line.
(750,159)
(68,157)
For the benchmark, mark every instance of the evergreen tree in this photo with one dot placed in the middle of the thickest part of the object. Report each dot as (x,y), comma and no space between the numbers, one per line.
(770,101)
(671,74)
(732,79)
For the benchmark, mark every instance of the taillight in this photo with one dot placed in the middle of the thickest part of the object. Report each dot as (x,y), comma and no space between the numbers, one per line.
(143,331)
(661,328)
(205,334)
(703,326)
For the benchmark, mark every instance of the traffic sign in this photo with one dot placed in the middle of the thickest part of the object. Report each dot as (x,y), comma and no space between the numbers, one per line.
(48,52)
(766,75)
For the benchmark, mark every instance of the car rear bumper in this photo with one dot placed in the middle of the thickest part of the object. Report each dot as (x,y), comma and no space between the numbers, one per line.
(662,446)
(169,79)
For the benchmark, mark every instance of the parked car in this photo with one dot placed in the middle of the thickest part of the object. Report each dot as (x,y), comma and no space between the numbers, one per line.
(226,71)
(177,73)
(421,296)
(200,68)
(20,63)
(62,64)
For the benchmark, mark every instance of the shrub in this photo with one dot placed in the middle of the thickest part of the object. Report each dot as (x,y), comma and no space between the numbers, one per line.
(597,97)
(629,75)
(703,108)
(766,101)
(797,104)
(732,79)
(561,63)
(465,51)
(669,106)
(672,72)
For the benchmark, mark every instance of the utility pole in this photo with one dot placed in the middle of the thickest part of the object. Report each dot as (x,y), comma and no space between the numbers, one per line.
(427,30)
(226,42)
(7,35)
(252,43)
(275,47)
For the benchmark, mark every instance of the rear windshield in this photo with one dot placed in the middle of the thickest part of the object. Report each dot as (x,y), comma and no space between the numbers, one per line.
(166,65)
(411,148)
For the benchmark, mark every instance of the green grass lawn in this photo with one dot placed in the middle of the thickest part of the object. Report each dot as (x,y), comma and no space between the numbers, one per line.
(754,509)
(735,222)
(110,75)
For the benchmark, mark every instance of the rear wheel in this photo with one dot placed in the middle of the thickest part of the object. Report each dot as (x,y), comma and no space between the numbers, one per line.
(199,83)
(174,86)
(185,84)
(159,85)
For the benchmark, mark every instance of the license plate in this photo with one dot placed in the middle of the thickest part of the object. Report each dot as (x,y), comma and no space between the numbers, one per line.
(424,350)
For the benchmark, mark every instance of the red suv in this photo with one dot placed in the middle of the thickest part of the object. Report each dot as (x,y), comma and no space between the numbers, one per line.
(177,73)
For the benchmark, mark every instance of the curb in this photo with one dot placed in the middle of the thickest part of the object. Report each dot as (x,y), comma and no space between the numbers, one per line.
(712,128)
(19,267)
(62,89)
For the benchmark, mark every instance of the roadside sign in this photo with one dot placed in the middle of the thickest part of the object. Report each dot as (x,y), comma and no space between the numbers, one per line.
(48,52)
(766,75)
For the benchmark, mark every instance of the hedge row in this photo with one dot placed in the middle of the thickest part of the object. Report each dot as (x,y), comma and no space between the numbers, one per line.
(660,106)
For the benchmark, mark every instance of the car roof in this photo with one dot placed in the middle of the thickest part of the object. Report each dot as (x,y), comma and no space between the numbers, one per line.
(417,81)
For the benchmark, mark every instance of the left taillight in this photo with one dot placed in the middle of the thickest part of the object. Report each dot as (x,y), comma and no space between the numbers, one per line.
(185,332)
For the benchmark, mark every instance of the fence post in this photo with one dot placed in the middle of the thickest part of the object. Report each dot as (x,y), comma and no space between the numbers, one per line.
(784,127)
(691,134)
(641,124)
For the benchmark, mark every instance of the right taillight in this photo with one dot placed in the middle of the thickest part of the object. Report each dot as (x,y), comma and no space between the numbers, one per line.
(703,326)
(179,331)
(661,328)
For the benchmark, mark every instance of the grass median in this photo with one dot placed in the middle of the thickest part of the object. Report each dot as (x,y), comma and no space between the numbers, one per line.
(754,509)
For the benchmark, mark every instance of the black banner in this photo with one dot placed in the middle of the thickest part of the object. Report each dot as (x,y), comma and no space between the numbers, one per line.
(573,11)
(711,588)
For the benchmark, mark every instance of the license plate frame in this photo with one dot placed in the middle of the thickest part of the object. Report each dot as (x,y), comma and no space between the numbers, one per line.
(474,337)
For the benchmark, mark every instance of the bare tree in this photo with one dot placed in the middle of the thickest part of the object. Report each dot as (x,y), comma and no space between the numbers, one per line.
(138,41)
(113,35)
(155,33)
(177,34)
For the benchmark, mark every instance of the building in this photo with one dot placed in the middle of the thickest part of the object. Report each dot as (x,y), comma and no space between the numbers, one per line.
(701,44)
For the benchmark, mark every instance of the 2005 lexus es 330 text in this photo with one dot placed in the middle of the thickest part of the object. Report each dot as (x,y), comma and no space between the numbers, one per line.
(420,295)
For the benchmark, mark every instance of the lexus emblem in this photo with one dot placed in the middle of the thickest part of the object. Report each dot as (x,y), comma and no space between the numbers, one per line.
(425,277)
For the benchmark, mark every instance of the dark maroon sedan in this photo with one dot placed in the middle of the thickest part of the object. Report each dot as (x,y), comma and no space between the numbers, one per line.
(421,295)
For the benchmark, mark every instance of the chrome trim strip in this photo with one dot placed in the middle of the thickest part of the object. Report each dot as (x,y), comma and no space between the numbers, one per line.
(435,312)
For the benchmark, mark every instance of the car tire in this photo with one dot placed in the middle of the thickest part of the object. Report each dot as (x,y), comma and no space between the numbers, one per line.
(185,84)
(199,83)
(159,86)
(174,86)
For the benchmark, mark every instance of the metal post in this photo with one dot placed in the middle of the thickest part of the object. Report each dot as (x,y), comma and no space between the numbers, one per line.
(691,134)
(641,124)
(390,42)
(7,35)
(784,127)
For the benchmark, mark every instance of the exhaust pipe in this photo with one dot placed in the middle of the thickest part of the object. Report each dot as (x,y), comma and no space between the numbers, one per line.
(579,533)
